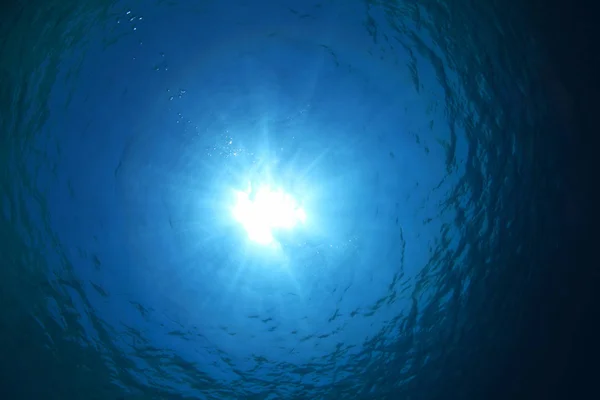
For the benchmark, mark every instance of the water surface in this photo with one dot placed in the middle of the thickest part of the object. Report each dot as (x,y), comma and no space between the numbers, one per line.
(421,138)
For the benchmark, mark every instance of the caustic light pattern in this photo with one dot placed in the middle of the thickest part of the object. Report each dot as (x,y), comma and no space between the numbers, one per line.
(265,210)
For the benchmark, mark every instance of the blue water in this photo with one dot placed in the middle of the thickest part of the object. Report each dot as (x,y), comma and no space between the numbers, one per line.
(418,136)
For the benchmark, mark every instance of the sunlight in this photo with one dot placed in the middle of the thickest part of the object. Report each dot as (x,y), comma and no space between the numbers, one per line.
(262,211)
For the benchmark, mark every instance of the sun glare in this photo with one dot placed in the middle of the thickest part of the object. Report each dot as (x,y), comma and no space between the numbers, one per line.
(265,210)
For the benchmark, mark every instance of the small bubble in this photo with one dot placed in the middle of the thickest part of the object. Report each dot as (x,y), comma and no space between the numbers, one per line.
(128,12)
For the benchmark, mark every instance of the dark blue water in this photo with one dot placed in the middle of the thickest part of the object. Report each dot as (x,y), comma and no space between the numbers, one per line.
(423,140)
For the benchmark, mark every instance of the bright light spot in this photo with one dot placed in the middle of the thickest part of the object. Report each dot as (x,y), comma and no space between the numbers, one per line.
(264,210)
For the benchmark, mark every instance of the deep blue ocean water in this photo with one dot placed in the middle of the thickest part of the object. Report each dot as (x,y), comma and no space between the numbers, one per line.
(423,140)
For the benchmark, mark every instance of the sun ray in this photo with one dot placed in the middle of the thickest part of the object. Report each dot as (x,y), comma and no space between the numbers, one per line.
(263,210)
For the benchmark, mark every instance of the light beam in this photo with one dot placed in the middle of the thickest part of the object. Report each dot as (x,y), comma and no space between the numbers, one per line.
(265,210)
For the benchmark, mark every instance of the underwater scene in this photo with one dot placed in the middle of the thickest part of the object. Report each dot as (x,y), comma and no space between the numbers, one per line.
(270,199)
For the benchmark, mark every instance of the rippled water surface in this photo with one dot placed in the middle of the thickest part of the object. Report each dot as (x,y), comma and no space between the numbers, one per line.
(417,137)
